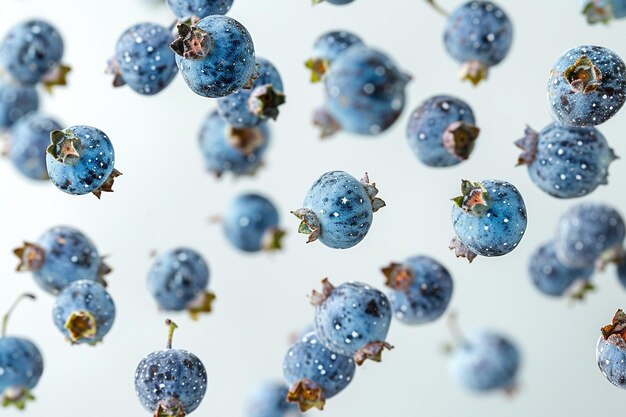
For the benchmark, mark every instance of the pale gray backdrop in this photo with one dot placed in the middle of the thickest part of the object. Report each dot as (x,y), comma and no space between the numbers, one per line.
(165,197)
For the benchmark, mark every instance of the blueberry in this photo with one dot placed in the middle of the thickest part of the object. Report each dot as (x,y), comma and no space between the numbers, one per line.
(215,56)
(338,209)
(84,312)
(421,289)
(29,137)
(603,10)
(253,106)
(15,102)
(611,351)
(566,161)
(251,224)
(586,86)
(178,280)
(61,256)
(228,149)
(315,373)
(199,8)
(326,50)
(365,91)
(269,399)
(478,35)
(352,320)
(485,361)
(553,278)
(621,271)
(21,365)
(489,219)
(80,160)
(170,382)
(31,52)
(143,59)
(442,131)
(589,234)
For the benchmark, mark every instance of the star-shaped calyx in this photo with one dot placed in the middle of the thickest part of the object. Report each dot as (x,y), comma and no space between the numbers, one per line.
(474,198)
(265,100)
(307,394)
(192,42)
(64,146)
(583,76)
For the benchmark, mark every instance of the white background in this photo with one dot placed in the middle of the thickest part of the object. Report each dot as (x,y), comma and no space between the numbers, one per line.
(165,197)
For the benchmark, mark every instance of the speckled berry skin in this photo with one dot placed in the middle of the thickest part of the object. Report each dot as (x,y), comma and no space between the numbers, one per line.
(568,161)
(90,297)
(604,11)
(21,363)
(365,91)
(478,31)
(199,8)
(222,155)
(621,272)
(334,43)
(597,99)
(485,361)
(15,102)
(352,316)
(268,400)
(343,208)
(68,256)
(428,124)
(29,138)
(235,108)
(611,359)
(177,277)
(587,232)
(87,172)
(308,358)
(248,220)
(550,276)
(229,64)
(29,50)
(146,63)
(170,374)
(498,230)
(429,294)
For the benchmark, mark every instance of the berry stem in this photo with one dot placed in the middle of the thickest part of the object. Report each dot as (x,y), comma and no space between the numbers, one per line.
(437,7)
(170,332)
(455,329)
(6,316)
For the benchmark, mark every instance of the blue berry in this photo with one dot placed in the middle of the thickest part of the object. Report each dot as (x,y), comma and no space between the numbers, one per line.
(170,382)
(32,50)
(80,160)
(269,399)
(178,280)
(566,161)
(485,361)
(326,50)
(315,373)
(489,219)
(143,59)
(15,102)
(586,86)
(228,149)
(199,8)
(338,209)
(21,365)
(478,35)
(29,138)
(588,234)
(442,131)
(215,56)
(251,223)
(352,320)
(253,106)
(611,351)
(61,256)
(421,289)
(553,278)
(84,312)
(365,91)
(603,10)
